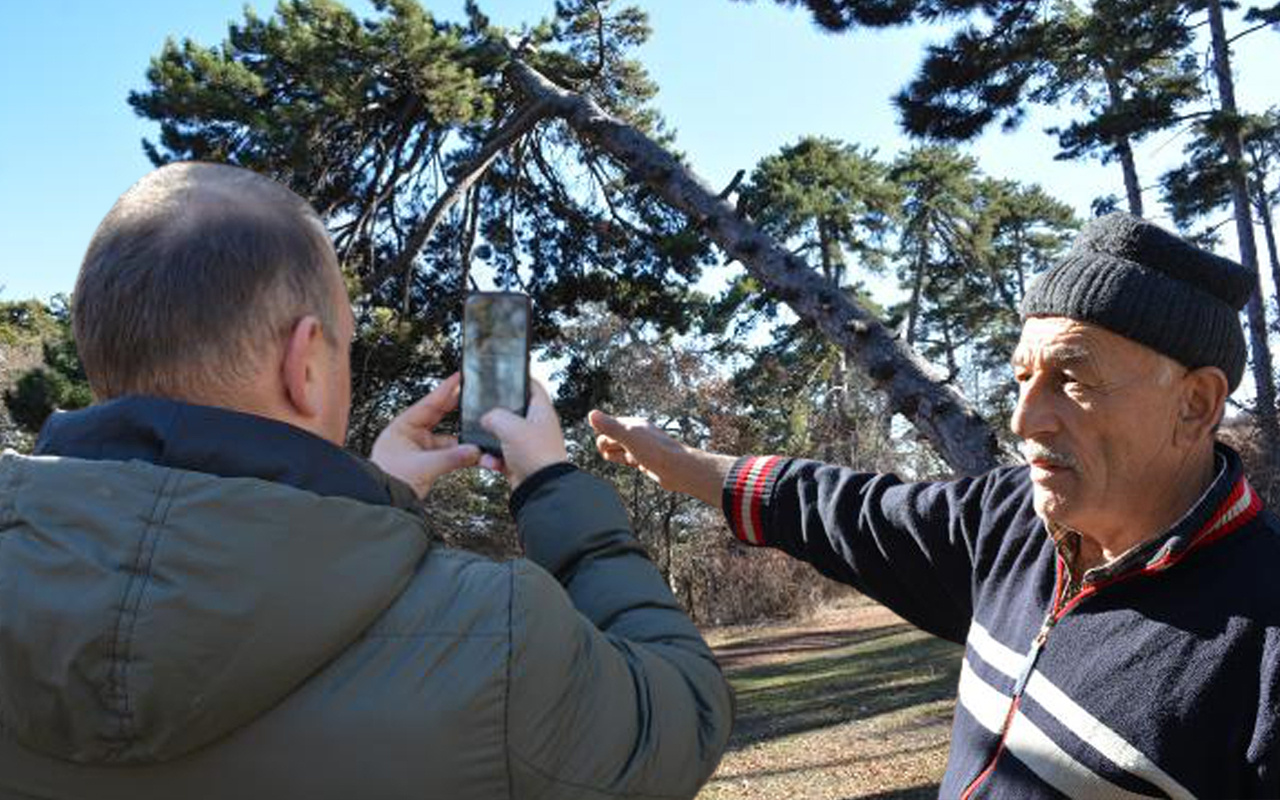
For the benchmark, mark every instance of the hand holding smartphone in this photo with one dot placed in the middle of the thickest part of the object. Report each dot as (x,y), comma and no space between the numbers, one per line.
(495,361)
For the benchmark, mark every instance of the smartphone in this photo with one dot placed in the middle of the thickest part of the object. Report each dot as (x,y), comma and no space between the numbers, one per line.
(495,361)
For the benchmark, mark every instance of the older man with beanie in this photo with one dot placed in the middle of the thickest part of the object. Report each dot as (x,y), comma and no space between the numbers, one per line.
(1116,594)
(203,595)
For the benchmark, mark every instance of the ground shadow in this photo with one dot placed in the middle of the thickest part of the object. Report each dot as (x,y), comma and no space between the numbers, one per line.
(835,677)
(732,655)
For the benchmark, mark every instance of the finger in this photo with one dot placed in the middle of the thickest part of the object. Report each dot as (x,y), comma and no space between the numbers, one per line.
(540,405)
(492,463)
(605,443)
(614,456)
(619,455)
(453,458)
(428,411)
(619,428)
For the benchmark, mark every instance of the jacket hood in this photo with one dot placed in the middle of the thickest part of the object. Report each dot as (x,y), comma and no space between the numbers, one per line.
(147,609)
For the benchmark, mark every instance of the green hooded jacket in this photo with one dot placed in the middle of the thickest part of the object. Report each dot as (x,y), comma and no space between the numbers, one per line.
(281,624)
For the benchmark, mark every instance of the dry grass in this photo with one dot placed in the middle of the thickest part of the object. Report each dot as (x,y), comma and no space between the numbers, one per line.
(851,702)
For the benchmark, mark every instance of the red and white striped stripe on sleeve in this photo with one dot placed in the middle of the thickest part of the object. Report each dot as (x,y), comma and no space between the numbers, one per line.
(746,490)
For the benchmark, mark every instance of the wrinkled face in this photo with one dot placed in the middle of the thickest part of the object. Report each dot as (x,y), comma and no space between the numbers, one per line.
(1096,413)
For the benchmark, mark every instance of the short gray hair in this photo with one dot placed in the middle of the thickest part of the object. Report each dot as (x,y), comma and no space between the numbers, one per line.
(194,272)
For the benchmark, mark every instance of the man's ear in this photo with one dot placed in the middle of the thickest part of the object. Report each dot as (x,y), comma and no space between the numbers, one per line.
(301,367)
(1203,398)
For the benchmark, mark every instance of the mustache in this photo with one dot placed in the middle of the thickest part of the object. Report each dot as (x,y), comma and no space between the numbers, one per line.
(1034,451)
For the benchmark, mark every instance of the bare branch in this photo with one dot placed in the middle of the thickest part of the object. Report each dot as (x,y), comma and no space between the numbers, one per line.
(1248,31)
(733,184)
(518,124)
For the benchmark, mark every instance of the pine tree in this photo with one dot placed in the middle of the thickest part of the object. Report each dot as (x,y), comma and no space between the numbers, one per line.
(1200,186)
(834,206)
(1130,56)
(1120,61)
(827,198)
(1228,127)
(969,246)
(429,166)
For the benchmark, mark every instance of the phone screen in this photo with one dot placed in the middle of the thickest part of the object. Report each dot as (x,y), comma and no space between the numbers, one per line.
(495,361)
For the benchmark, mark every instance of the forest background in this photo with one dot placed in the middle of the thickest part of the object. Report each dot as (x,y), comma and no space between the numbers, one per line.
(880,182)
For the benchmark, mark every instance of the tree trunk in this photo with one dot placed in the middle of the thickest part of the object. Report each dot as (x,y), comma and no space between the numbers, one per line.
(1131,186)
(942,415)
(824,252)
(917,288)
(669,539)
(1124,151)
(1263,377)
(1269,233)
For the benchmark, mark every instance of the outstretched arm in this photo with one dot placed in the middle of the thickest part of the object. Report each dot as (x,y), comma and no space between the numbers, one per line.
(911,546)
(676,467)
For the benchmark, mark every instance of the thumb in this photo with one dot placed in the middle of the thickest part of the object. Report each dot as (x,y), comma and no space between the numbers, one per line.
(434,463)
(424,468)
(604,423)
(501,423)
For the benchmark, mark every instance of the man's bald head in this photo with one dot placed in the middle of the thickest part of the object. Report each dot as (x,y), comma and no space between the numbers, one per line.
(194,276)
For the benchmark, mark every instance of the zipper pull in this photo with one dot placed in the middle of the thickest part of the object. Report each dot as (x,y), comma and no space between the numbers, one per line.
(1037,644)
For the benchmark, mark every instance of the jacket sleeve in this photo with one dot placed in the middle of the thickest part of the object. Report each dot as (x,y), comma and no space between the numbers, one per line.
(911,546)
(612,690)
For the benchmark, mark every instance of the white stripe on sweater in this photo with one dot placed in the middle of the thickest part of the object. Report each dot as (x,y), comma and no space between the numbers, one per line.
(1073,716)
(1032,746)
(1237,508)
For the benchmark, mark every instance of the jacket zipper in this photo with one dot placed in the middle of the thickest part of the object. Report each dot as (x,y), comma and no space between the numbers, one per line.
(1028,666)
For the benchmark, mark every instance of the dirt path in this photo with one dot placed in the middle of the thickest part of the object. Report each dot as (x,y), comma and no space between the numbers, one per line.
(850,703)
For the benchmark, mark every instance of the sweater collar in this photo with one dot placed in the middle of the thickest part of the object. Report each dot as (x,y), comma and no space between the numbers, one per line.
(1229,503)
(221,442)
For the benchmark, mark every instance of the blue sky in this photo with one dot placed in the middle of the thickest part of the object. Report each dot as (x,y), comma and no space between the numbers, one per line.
(738,81)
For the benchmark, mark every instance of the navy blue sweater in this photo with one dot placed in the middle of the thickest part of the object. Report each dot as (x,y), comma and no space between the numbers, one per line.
(1157,675)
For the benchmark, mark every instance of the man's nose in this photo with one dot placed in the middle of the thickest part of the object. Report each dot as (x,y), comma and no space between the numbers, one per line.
(1034,414)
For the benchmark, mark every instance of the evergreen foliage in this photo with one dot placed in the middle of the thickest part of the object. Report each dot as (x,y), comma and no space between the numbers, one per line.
(59,383)
(962,246)
(376,120)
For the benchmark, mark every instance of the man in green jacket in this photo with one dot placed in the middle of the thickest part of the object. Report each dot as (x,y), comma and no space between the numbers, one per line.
(203,595)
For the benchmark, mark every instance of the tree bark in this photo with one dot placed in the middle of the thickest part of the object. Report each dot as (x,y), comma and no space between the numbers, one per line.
(1132,187)
(1124,150)
(917,289)
(1263,378)
(942,415)
(1269,234)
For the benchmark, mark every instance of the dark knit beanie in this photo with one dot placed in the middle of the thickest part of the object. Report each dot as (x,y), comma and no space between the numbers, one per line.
(1146,284)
